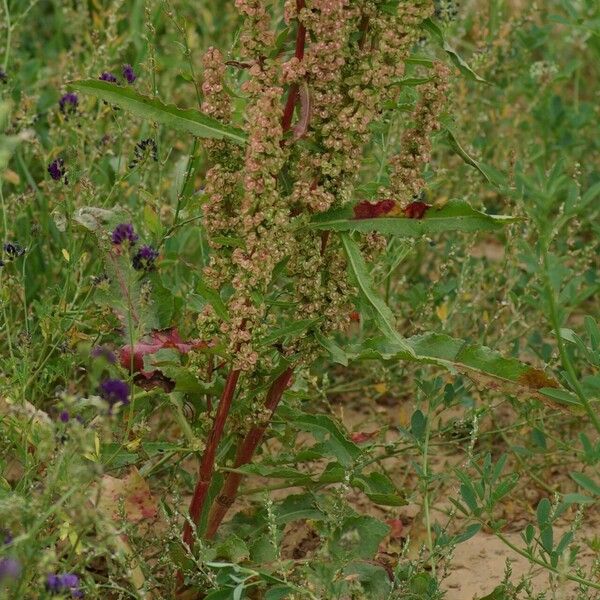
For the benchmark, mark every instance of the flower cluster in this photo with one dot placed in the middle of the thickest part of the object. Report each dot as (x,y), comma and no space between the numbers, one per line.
(13,250)
(145,257)
(68,103)
(143,150)
(342,76)
(57,171)
(66,582)
(127,72)
(10,568)
(107,76)
(124,232)
(406,181)
(114,391)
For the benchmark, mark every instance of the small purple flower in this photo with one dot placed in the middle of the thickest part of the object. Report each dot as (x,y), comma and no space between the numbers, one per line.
(68,103)
(7,537)
(64,416)
(3,77)
(105,353)
(124,232)
(129,74)
(57,169)
(107,76)
(144,258)
(62,583)
(10,568)
(114,390)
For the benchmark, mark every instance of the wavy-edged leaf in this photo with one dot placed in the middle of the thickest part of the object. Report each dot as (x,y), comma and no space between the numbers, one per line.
(188,120)
(483,365)
(381,311)
(339,445)
(455,215)
(434,29)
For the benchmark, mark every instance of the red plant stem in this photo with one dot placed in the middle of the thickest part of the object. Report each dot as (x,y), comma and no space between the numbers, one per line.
(244,454)
(207,465)
(288,111)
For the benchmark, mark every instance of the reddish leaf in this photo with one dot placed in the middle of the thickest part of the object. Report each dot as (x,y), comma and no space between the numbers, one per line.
(416,210)
(361,436)
(157,340)
(396,528)
(372,210)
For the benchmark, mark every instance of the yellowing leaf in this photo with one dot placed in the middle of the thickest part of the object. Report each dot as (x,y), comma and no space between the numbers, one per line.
(132,493)
(66,255)
(380,388)
(442,311)
(12,177)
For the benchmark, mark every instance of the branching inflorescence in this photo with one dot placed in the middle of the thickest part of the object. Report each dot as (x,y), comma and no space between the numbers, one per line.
(307,119)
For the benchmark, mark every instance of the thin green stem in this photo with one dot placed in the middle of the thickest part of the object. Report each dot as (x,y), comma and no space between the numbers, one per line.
(426,512)
(564,355)
(544,564)
(8,34)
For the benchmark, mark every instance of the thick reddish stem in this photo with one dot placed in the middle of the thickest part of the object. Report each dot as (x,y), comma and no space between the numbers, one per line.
(288,111)
(244,455)
(207,465)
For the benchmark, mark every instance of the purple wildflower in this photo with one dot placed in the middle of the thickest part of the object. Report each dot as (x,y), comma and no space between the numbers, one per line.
(129,74)
(3,77)
(62,583)
(144,258)
(68,103)
(124,232)
(105,353)
(107,76)
(7,537)
(114,390)
(64,416)
(10,568)
(57,169)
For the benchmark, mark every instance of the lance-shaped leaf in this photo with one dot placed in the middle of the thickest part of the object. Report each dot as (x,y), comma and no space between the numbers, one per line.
(483,365)
(491,175)
(456,215)
(434,29)
(381,311)
(187,120)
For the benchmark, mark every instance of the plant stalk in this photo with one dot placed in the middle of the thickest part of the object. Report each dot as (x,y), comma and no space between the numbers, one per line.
(292,98)
(244,455)
(207,465)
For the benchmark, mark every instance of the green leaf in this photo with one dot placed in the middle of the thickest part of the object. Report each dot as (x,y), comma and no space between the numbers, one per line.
(294,329)
(343,449)
(296,507)
(543,512)
(381,311)
(359,537)
(456,215)
(586,483)
(152,109)
(434,29)
(561,396)
(479,363)
(491,175)
(336,353)
(214,299)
